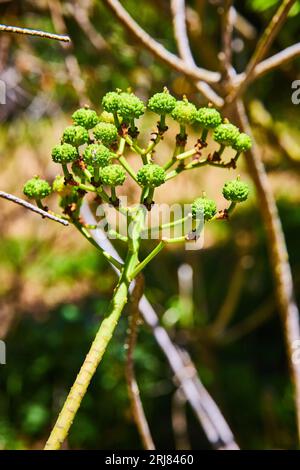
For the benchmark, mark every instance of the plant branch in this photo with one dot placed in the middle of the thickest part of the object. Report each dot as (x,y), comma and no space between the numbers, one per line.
(88,368)
(278,254)
(273,62)
(33,208)
(34,32)
(183,45)
(133,389)
(263,46)
(158,49)
(227,30)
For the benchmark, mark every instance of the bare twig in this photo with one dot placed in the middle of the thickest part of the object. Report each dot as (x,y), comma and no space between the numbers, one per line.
(183,45)
(34,32)
(133,389)
(179,23)
(273,62)
(278,254)
(32,208)
(209,415)
(263,45)
(158,49)
(227,30)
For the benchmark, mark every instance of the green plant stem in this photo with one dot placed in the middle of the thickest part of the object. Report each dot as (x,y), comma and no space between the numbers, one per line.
(168,225)
(103,336)
(187,154)
(147,260)
(134,146)
(91,362)
(204,135)
(128,168)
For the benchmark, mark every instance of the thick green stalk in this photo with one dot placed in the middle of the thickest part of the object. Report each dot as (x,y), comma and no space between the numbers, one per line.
(103,337)
(88,368)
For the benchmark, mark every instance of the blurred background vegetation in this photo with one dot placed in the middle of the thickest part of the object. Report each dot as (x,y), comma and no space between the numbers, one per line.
(54,288)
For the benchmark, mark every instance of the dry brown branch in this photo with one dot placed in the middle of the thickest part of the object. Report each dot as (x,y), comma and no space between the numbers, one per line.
(274,62)
(278,254)
(132,386)
(34,32)
(263,46)
(32,208)
(227,30)
(158,49)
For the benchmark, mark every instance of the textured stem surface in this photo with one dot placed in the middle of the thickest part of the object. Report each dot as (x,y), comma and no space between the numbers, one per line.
(88,368)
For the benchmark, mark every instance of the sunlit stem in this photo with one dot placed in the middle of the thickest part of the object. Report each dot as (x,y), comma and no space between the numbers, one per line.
(67,174)
(231,207)
(150,194)
(187,154)
(96,174)
(116,119)
(113,194)
(147,260)
(128,168)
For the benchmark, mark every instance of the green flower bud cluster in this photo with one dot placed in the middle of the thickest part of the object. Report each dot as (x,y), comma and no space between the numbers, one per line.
(162,103)
(75,135)
(126,105)
(64,153)
(226,134)
(204,207)
(106,132)
(112,175)
(96,155)
(208,118)
(85,117)
(236,190)
(242,143)
(37,188)
(151,175)
(184,112)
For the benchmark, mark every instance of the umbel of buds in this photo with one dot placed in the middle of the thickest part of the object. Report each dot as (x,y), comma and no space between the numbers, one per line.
(93,153)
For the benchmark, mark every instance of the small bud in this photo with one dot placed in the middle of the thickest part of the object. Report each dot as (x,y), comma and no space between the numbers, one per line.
(208,118)
(106,117)
(58,184)
(226,134)
(205,207)
(111,102)
(151,175)
(130,106)
(242,143)
(37,188)
(162,103)
(96,155)
(184,112)
(64,153)
(106,132)
(85,117)
(112,175)
(236,191)
(75,135)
